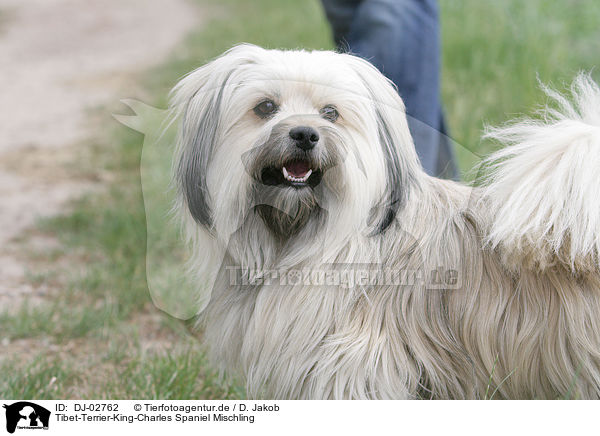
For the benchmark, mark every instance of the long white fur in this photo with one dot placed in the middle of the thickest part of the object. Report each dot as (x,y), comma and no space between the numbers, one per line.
(543,185)
(523,322)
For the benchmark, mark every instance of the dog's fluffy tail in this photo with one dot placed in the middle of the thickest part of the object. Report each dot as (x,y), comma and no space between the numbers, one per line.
(543,190)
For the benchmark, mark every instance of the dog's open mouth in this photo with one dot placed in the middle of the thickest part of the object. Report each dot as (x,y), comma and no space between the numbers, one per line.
(297,173)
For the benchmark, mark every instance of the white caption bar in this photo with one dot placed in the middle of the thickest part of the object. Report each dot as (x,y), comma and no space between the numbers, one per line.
(295,417)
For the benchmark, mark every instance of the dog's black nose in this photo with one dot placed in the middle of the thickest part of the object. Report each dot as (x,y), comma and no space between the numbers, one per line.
(305,137)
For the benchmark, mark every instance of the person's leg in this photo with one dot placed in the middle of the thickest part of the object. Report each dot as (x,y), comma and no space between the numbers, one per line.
(340,14)
(401,38)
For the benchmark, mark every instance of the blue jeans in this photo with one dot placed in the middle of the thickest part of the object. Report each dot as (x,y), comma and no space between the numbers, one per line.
(401,38)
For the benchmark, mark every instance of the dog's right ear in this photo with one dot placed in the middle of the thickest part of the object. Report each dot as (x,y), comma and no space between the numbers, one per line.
(196,103)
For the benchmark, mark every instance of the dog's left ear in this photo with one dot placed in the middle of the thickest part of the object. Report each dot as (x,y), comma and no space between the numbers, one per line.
(401,161)
(196,102)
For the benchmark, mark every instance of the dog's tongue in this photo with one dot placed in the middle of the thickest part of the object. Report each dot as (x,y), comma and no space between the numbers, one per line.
(297,168)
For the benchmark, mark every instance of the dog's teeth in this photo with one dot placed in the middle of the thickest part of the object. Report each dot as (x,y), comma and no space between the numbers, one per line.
(287,176)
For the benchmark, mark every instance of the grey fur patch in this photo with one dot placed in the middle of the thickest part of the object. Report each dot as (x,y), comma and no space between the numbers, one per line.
(399,178)
(193,165)
(396,186)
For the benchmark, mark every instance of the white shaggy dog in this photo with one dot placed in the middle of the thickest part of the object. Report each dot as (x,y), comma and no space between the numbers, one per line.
(302,161)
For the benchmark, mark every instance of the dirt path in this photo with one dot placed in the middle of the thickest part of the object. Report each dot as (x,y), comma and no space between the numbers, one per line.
(60,59)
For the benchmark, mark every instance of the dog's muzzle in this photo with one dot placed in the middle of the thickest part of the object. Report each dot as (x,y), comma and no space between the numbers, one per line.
(300,167)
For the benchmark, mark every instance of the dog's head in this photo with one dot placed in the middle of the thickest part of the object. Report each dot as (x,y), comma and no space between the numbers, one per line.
(292,140)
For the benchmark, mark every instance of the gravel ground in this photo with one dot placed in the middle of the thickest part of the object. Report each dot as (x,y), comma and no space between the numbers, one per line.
(59,61)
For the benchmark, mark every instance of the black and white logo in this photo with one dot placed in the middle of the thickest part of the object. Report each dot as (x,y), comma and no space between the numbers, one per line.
(26,415)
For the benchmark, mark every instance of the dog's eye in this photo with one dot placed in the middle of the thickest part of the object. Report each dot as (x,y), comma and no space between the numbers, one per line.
(265,109)
(330,113)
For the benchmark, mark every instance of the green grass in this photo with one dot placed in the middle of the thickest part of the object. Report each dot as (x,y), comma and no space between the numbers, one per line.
(95,336)
(40,378)
(493,52)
